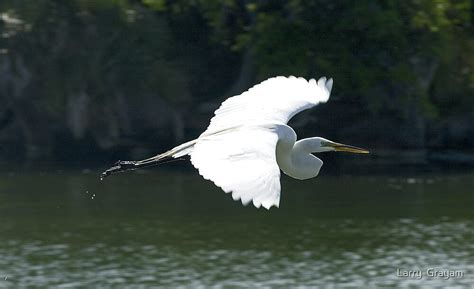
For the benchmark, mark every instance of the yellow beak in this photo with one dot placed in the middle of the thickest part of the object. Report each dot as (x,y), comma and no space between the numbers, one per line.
(339,147)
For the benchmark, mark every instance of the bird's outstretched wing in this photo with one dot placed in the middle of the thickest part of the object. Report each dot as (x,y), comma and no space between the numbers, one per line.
(238,150)
(275,100)
(241,161)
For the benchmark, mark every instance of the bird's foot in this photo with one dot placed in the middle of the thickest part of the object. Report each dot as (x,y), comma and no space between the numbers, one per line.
(126,164)
(119,166)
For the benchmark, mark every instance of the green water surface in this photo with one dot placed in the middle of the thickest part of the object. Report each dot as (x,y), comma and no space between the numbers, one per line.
(172,229)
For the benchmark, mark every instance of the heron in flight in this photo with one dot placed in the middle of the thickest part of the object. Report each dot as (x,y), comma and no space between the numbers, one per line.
(248,141)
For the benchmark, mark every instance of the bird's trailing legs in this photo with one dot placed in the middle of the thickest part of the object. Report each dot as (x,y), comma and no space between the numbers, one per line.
(122,166)
(175,154)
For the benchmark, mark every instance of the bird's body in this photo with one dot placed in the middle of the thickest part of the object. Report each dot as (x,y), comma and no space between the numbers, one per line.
(248,141)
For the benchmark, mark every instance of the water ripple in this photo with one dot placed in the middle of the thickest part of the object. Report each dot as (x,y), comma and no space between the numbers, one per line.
(370,265)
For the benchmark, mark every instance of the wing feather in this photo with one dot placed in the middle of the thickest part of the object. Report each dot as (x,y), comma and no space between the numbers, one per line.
(246,169)
(275,100)
(238,150)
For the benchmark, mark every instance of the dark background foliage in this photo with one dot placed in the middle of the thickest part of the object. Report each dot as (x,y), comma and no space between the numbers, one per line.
(88,80)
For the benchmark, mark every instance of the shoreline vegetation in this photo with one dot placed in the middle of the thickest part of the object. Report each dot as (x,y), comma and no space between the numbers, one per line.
(127,79)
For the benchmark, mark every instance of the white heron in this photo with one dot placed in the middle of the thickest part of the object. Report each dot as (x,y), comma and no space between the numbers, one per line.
(248,141)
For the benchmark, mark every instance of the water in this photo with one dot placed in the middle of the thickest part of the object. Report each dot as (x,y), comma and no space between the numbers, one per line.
(162,229)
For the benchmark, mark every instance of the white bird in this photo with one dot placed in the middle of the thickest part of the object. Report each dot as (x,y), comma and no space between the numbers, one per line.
(248,141)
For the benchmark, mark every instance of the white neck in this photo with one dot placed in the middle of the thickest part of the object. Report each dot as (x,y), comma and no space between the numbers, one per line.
(294,157)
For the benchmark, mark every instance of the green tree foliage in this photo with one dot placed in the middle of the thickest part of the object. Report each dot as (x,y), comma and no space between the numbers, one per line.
(104,71)
(409,61)
(363,44)
(95,70)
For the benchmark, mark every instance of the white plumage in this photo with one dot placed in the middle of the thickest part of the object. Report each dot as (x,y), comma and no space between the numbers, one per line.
(241,157)
(248,169)
(247,142)
(274,100)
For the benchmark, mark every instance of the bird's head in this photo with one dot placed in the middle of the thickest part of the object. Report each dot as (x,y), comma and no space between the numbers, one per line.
(325,145)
